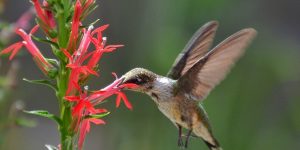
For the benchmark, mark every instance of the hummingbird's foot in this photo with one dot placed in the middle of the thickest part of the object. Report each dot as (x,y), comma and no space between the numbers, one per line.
(187,138)
(179,141)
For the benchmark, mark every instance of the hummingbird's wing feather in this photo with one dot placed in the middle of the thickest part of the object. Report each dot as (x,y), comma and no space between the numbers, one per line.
(213,67)
(196,48)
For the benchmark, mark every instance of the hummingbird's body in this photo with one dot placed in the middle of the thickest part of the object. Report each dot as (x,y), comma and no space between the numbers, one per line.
(194,74)
(182,110)
(178,106)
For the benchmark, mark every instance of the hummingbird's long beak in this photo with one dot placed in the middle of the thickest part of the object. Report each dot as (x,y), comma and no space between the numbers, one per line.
(125,84)
(122,80)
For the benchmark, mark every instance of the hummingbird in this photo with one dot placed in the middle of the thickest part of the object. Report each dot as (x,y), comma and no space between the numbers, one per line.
(195,72)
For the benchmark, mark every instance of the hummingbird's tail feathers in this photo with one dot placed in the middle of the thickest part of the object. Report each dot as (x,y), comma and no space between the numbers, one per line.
(213,146)
(218,148)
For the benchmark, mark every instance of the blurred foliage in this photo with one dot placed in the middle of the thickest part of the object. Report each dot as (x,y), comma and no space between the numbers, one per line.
(255,107)
(2,3)
(10,108)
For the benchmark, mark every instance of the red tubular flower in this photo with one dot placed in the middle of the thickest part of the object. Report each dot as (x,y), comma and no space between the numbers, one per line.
(40,60)
(99,42)
(76,62)
(46,17)
(112,89)
(75,27)
(49,15)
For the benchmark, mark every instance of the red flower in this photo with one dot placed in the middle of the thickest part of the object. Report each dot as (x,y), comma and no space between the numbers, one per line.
(75,27)
(40,60)
(49,14)
(45,17)
(81,110)
(99,42)
(112,89)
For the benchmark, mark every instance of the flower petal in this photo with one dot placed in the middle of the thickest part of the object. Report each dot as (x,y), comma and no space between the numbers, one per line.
(14,48)
(99,111)
(34,29)
(125,100)
(72,98)
(97,121)
(85,127)
(100,29)
(118,100)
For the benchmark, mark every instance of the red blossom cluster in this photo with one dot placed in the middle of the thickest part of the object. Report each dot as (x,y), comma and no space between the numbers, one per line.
(45,17)
(82,64)
(85,106)
(84,49)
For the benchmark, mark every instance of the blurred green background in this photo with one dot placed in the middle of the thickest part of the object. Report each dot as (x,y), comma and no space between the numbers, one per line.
(256,107)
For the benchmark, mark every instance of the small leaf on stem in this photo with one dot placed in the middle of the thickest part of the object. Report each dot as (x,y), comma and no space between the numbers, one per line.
(43,82)
(44,113)
(97,116)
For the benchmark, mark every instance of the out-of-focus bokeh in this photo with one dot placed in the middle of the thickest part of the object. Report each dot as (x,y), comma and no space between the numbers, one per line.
(256,107)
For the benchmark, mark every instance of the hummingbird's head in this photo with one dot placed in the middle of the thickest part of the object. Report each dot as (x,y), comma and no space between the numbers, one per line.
(144,79)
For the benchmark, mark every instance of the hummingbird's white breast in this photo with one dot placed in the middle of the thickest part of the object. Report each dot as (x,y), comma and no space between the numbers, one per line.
(162,94)
(162,89)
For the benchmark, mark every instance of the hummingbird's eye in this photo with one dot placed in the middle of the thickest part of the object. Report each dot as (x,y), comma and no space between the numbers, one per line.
(137,80)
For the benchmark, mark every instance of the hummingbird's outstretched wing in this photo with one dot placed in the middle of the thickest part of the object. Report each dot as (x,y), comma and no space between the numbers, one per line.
(196,48)
(213,67)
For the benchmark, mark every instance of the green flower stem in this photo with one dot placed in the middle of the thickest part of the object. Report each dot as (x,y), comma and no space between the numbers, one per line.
(62,30)
(66,136)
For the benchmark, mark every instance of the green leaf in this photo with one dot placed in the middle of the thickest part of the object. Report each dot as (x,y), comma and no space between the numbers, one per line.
(44,113)
(97,116)
(51,147)
(43,82)
(46,41)
(53,61)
